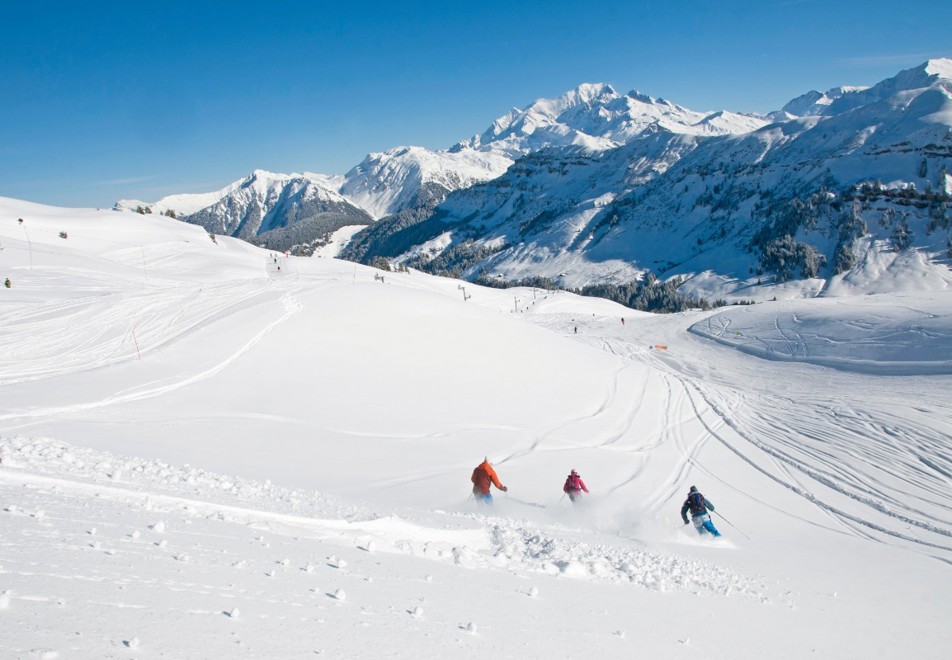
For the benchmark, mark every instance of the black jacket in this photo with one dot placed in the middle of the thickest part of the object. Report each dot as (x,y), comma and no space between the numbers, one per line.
(687,507)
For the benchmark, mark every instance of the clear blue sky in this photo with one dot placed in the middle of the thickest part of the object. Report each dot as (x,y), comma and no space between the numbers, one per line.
(110,100)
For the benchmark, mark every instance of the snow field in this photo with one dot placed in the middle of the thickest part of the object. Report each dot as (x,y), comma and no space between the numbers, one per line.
(505,543)
(899,334)
(152,561)
(282,468)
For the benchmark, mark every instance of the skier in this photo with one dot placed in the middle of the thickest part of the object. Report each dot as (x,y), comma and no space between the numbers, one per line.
(699,506)
(574,486)
(485,476)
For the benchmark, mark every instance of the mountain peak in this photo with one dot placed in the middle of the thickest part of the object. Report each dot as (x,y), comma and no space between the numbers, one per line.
(940,67)
(844,98)
(815,103)
(590,91)
(259,175)
(641,96)
(586,94)
(924,75)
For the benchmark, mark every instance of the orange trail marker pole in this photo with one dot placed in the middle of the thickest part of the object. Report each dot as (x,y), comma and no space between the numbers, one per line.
(138,354)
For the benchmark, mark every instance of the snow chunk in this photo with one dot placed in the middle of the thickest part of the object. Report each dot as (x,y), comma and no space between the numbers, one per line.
(463,556)
(44,654)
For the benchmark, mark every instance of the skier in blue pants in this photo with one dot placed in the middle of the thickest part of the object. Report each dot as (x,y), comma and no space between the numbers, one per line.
(699,507)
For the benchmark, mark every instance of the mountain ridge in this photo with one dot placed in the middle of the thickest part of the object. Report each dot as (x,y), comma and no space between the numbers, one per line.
(764,207)
(584,160)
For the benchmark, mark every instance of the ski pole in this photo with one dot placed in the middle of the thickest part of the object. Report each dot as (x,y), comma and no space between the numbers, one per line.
(733,525)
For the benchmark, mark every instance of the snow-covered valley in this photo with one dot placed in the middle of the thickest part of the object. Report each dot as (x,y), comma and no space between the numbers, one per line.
(212,450)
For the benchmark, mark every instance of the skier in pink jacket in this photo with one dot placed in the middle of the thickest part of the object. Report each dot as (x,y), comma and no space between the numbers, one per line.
(574,486)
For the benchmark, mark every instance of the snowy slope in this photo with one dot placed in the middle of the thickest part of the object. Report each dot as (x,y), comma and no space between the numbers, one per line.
(411,177)
(813,103)
(208,450)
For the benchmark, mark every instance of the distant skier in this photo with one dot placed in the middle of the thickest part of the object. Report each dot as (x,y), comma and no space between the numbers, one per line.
(699,507)
(574,486)
(485,476)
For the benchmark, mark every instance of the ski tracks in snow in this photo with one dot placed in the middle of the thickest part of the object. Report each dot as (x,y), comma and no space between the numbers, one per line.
(41,478)
(824,480)
(674,433)
(291,306)
(860,467)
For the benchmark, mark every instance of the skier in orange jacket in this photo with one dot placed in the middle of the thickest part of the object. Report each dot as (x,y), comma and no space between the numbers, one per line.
(485,476)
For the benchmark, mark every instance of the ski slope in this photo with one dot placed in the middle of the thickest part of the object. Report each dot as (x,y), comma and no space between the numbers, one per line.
(210,450)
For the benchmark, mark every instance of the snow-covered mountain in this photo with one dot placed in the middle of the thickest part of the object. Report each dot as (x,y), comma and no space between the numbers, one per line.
(412,180)
(413,177)
(843,99)
(813,103)
(600,187)
(593,117)
(596,117)
(805,198)
(277,211)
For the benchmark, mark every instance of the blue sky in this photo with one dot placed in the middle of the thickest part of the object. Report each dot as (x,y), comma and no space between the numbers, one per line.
(104,100)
